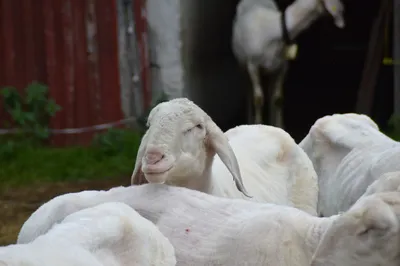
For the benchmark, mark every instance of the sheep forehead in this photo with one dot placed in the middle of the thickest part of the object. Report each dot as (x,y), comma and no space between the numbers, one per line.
(348,121)
(352,120)
(177,110)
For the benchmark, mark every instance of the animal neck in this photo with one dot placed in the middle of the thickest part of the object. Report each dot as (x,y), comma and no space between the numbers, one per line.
(200,182)
(301,14)
(205,181)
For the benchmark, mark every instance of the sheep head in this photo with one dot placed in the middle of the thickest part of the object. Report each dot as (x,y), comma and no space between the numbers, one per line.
(368,234)
(180,140)
(334,136)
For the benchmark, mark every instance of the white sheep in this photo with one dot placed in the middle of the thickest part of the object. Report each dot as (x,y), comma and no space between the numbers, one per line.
(368,234)
(111,234)
(210,230)
(181,141)
(348,153)
(259,42)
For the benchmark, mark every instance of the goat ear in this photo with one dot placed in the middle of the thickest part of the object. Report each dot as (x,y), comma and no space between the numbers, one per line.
(336,9)
(377,220)
(138,177)
(219,142)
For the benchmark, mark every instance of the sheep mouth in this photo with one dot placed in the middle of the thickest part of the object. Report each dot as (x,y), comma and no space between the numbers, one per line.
(157,172)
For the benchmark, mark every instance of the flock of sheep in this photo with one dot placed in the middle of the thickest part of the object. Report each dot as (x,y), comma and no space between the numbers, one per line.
(249,196)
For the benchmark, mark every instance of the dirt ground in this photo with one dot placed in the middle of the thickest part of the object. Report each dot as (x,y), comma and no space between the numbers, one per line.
(16,205)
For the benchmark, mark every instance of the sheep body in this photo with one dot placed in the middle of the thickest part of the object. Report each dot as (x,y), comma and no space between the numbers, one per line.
(348,153)
(275,169)
(263,159)
(111,234)
(209,230)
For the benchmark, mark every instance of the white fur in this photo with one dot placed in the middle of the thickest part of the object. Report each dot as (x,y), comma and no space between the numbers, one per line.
(209,230)
(257,42)
(385,183)
(273,167)
(111,234)
(368,234)
(348,153)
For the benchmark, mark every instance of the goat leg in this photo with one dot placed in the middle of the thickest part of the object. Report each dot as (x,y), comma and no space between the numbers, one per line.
(276,106)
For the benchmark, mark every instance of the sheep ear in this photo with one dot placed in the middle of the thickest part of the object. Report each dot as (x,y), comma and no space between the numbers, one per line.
(336,9)
(219,142)
(138,177)
(378,219)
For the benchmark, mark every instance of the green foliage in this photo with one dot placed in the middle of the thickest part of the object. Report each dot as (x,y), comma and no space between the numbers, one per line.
(48,164)
(25,160)
(394,127)
(30,114)
(111,142)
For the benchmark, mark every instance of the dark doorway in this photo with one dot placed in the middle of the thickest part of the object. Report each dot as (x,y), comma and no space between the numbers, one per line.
(325,77)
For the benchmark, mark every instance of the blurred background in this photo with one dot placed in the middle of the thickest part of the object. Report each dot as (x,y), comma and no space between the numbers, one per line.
(78,78)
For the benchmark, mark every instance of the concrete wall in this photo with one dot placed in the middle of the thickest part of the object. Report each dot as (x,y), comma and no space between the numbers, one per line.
(163,18)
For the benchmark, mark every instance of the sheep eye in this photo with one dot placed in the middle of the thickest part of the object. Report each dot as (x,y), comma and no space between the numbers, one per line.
(199,126)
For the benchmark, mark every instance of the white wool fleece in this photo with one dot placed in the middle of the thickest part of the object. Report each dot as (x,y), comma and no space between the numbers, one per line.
(109,234)
(209,230)
(348,153)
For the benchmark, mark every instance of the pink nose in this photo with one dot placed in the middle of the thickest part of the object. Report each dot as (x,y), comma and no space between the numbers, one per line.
(153,156)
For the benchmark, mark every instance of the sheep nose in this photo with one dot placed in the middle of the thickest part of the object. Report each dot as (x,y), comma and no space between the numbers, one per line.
(153,156)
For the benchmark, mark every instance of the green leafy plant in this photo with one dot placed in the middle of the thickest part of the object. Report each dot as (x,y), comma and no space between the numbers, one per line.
(30,114)
(111,142)
(394,127)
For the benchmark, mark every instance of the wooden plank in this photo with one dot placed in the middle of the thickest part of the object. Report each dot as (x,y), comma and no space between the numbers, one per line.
(6,22)
(31,70)
(82,97)
(68,73)
(19,40)
(108,60)
(3,114)
(93,58)
(396,55)
(139,8)
(52,65)
(2,48)
(39,39)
